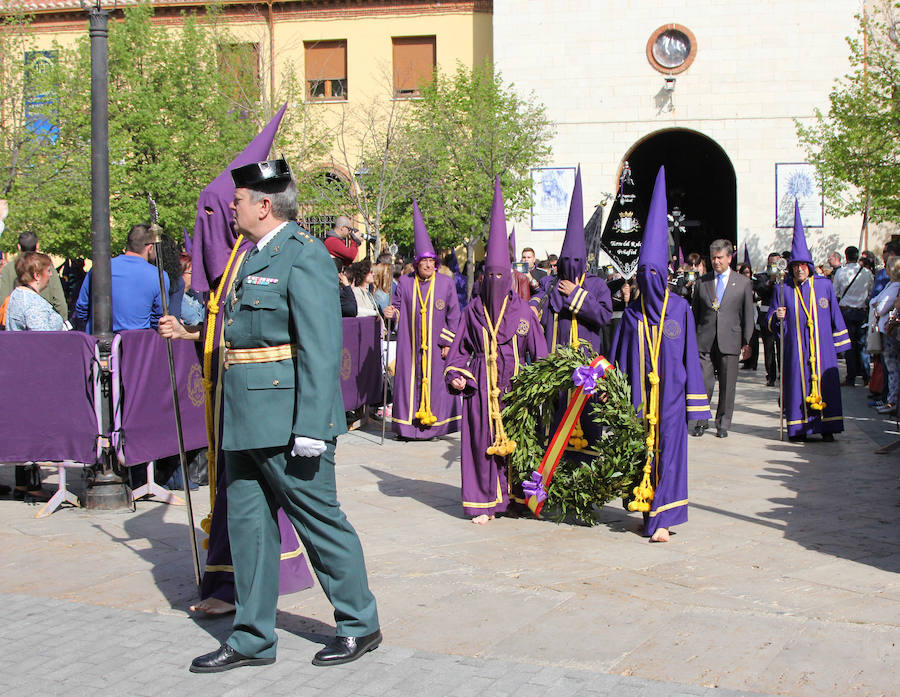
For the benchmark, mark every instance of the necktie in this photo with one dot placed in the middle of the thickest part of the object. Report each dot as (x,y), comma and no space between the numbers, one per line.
(720,288)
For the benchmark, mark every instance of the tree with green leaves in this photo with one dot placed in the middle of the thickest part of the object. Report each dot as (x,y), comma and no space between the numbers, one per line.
(467,129)
(32,147)
(372,145)
(855,147)
(176,118)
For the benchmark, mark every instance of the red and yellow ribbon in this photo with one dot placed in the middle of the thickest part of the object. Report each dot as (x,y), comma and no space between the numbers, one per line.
(561,437)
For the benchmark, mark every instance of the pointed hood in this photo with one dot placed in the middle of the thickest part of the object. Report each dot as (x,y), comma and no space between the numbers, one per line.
(747,257)
(214,235)
(799,250)
(497,268)
(188,243)
(512,243)
(573,255)
(423,245)
(653,266)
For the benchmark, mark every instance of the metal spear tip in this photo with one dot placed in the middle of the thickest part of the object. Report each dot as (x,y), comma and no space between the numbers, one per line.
(97,5)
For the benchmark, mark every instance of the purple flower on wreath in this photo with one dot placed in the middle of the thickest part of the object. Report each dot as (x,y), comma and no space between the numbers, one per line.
(587,377)
(535,487)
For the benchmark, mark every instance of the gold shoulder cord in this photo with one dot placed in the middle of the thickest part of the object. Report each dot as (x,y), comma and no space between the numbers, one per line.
(502,445)
(814,399)
(643,492)
(424,415)
(209,341)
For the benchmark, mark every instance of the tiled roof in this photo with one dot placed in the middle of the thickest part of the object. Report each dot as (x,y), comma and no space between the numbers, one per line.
(50,5)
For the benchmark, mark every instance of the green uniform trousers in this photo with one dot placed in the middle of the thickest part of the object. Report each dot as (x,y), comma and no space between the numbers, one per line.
(259,481)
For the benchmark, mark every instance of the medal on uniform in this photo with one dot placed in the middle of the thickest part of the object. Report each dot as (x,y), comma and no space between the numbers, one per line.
(716,305)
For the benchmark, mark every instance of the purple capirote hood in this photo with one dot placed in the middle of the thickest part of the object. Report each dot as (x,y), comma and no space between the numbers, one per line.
(214,235)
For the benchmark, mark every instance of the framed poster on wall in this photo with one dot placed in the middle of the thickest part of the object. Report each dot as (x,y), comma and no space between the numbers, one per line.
(798,180)
(552,190)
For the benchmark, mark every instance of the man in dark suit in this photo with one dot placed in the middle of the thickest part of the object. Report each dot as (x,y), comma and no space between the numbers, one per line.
(723,311)
(282,414)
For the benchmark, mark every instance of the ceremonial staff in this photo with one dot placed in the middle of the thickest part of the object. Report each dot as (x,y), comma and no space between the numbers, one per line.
(387,357)
(163,295)
(781,265)
(385,364)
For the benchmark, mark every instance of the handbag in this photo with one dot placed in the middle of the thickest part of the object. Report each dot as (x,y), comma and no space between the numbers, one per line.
(874,343)
(876,379)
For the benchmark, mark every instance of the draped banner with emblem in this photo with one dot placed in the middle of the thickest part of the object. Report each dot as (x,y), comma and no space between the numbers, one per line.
(361,362)
(621,238)
(147,412)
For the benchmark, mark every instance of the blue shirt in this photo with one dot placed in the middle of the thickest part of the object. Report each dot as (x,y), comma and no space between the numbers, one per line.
(136,301)
(881,281)
(28,311)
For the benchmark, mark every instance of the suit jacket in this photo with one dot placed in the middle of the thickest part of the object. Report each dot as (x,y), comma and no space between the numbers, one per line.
(732,324)
(287,293)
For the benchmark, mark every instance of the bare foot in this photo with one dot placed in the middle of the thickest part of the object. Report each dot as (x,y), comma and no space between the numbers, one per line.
(213,607)
(482,519)
(661,535)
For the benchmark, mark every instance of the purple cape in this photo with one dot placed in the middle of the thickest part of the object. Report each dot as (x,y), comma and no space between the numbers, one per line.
(682,396)
(590,305)
(442,317)
(218,574)
(832,338)
(484,483)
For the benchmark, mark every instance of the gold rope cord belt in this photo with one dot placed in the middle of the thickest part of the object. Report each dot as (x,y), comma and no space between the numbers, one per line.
(266,354)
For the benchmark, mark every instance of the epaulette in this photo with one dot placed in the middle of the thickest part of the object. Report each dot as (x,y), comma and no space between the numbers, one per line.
(303,235)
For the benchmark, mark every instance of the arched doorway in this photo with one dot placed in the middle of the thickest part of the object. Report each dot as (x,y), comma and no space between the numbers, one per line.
(700,181)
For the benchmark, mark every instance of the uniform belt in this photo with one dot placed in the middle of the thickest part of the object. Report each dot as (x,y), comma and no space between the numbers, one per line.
(266,354)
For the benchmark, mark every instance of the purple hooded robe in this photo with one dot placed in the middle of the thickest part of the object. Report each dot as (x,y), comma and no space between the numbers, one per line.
(485,487)
(441,320)
(682,394)
(831,339)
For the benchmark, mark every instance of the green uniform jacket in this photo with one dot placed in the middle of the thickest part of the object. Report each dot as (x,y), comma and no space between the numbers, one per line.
(287,293)
(53,293)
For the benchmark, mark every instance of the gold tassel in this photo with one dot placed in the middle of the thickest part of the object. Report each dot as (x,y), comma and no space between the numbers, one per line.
(643,492)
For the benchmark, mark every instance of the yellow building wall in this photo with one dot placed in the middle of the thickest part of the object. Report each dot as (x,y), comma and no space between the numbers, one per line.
(463,36)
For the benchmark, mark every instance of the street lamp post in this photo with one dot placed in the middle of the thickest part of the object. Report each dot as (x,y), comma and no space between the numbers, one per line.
(105,488)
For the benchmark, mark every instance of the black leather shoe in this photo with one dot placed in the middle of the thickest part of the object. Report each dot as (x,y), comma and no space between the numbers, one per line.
(344,649)
(225,658)
(699,430)
(721,433)
(797,439)
(770,382)
(828,437)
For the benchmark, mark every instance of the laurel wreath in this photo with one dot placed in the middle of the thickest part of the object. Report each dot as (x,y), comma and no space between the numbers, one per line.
(579,485)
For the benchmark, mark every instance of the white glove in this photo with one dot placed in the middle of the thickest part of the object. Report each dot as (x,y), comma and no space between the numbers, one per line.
(307,447)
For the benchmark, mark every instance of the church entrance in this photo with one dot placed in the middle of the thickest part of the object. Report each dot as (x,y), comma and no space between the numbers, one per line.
(700,183)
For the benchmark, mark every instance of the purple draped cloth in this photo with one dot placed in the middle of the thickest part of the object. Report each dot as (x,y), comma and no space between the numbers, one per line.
(442,319)
(218,574)
(682,396)
(484,480)
(832,338)
(48,407)
(148,413)
(361,362)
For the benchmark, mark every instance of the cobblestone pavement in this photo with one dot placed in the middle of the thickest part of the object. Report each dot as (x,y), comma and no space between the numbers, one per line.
(784,581)
(57,647)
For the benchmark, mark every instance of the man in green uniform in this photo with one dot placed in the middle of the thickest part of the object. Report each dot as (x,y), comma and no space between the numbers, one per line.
(283,412)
